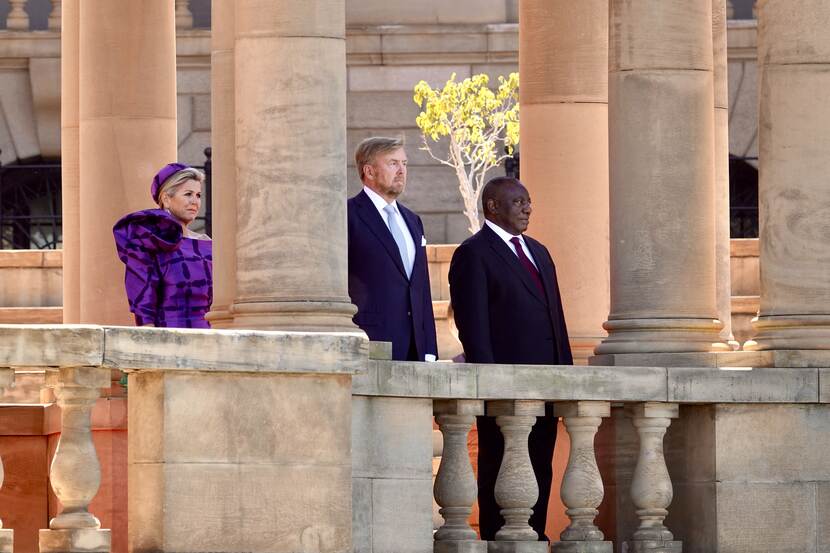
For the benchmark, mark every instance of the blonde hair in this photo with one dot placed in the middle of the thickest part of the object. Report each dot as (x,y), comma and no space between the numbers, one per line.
(372,147)
(174,181)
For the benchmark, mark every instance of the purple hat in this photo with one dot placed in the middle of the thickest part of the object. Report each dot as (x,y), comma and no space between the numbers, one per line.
(165,173)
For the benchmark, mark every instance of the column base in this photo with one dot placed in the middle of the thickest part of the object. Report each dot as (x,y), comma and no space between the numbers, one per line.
(652,546)
(517,547)
(805,332)
(582,547)
(458,546)
(662,336)
(6,540)
(301,316)
(220,318)
(76,540)
(583,347)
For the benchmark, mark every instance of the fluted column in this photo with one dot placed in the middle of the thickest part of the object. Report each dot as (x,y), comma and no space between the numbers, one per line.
(582,488)
(721,158)
(455,485)
(184,17)
(127,132)
(55,20)
(75,474)
(794,126)
(6,534)
(18,19)
(563,63)
(651,487)
(70,170)
(516,489)
(290,61)
(661,172)
(223,139)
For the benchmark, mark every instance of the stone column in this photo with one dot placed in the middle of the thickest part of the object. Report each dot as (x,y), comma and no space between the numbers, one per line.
(651,487)
(516,488)
(721,158)
(455,484)
(6,534)
(794,127)
(661,171)
(290,60)
(582,488)
(223,194)
(563,62)
(127,123)
(75,474)
(70,174)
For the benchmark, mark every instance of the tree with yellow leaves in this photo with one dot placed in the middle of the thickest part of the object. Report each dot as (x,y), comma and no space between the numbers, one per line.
(480,124)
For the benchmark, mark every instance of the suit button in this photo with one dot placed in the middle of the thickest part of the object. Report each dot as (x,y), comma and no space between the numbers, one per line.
(409,313)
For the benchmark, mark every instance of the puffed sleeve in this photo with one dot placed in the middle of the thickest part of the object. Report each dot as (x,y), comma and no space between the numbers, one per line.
(139,238)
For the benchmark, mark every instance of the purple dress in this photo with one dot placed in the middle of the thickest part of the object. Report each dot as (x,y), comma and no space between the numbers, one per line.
(169,278)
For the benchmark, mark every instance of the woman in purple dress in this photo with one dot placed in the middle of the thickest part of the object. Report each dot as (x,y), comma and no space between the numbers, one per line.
(169,278)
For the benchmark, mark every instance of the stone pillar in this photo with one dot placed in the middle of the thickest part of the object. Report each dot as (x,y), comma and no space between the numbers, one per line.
(290,62)
(723,246)
(75,474)
(455,484)
(70,174)
(516,488)
(582,488)
(651,487)
(127,123)
(563,62)
(18,19)
(661,172)
(794,126)
(223,194)
(6,534)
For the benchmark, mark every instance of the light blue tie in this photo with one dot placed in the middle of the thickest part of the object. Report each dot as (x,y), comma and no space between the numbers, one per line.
(397,234)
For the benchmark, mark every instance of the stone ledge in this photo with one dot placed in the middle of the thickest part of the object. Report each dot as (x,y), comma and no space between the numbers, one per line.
(570,383)
(145,348)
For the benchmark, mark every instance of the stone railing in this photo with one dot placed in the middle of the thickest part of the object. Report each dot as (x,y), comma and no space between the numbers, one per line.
(18,16)
(279,441)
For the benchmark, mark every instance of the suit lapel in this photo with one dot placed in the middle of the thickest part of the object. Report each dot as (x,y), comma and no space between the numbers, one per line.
(512,261)
(374,222)
(415,233)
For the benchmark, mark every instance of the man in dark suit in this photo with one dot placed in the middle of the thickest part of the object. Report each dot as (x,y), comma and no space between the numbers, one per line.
(507,309)
(388,274)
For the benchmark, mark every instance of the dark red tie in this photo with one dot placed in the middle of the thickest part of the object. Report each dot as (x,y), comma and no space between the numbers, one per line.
(528,264)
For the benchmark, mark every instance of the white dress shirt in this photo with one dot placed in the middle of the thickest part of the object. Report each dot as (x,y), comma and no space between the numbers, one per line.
(506,236)
(380,203)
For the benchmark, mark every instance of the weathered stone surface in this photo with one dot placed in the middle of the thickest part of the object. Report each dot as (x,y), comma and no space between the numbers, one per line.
(235,350)
(759,517)
(460,546)
(582,547)
(772,443)
(823,516)
(386,78)
(462,11)
(743,385)
(571,383)
(362,515)
(517,547)
(51,345)
(413,379)
(392,438)
(81,540)
(397,525)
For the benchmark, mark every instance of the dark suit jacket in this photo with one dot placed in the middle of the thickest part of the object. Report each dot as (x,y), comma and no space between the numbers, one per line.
(501,315)
(390,307)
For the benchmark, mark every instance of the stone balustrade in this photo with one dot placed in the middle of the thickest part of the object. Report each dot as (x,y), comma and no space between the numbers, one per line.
(18,18)
(217,416)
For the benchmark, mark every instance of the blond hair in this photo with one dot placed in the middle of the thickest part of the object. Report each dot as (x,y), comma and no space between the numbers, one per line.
(174,182)
(371,148)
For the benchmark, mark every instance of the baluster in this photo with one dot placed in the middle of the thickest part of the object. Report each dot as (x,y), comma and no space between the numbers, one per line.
(55,16)
(75,473)
(730,10)
(455,485)
(6,534)
(18,19)
(755,9)
(516,488)
(651,488)
(582,488)
(184,17)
